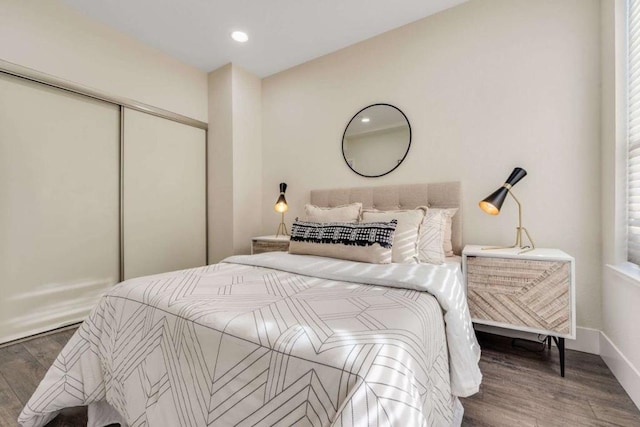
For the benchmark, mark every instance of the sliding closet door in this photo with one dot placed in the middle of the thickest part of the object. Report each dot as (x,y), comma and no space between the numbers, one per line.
(59,205)
(164,195)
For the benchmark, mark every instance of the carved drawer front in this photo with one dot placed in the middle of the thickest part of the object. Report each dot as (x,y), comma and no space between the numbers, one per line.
(530,293)
(260,246)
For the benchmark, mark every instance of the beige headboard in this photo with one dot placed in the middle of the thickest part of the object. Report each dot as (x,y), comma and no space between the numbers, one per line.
(408,196)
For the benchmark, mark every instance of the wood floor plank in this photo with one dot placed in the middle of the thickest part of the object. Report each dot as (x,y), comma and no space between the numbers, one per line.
(526,382)
(542,408)
(63,336)
(526,390)
(44,349)
(615,417)
(21,370)
(10,405)
(481,414)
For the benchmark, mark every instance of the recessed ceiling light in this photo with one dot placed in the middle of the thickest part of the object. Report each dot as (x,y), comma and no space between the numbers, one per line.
(365,120)
(240,36)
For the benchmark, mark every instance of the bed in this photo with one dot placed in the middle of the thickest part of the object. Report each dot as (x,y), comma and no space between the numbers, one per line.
(278,339)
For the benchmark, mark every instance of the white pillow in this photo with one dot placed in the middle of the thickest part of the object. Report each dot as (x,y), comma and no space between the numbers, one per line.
(343,213)
(446,241)
(432,232)
(363,242)
(405,240)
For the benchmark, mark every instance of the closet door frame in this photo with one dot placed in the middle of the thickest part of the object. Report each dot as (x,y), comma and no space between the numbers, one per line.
(46,79)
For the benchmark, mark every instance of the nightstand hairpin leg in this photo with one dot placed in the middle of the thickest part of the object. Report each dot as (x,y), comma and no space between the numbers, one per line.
(560,344)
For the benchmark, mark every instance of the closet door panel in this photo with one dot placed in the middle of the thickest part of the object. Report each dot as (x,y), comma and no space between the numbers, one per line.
(164,195)
(59,205)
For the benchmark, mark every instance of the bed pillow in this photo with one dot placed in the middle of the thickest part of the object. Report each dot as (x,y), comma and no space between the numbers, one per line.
(405,241)
(364,242)
(343,213)
(449,213)
(432,232)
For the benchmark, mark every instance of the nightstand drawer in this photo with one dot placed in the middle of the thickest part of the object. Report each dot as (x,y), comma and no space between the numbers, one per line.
(260,246)
(522,292)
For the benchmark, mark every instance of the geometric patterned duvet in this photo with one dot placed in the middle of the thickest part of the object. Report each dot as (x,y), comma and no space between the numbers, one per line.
(230,344)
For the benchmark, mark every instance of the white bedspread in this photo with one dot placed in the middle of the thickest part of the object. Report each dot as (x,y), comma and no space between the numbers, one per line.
(442,281)
(272,339)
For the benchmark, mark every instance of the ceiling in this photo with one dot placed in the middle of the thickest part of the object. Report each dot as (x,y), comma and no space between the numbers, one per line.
(282,33)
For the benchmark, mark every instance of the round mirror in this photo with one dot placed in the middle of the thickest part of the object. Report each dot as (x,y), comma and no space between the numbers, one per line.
(376,140)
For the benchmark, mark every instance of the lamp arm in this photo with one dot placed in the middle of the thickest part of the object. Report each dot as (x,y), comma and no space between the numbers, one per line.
(519,241)
(519,209)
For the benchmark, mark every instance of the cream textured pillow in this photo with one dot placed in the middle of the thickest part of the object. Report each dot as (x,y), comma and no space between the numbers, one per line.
(446,242)
(432,232)
(405,241)
(370,242)
(343,213)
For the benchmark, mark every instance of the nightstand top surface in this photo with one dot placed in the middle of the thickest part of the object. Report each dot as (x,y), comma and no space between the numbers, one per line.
(537,253)
(272,238)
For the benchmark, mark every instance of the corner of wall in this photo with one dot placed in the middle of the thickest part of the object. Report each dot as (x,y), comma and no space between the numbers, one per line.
(247,157)
(220,164)
(235,160)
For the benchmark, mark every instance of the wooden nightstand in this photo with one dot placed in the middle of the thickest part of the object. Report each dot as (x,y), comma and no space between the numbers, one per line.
(269,244)
(531,292)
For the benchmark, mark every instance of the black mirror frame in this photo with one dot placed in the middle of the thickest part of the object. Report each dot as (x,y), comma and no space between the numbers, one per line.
(403,157)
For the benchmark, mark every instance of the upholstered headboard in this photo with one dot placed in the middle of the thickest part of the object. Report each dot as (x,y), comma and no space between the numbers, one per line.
(408,196)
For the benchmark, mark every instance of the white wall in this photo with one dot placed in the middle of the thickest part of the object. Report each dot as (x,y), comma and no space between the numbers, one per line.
(620,343)
(486,86)
(235,156)
(50,37)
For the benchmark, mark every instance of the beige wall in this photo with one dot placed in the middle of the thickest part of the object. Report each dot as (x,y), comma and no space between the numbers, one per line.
(220,164)
(487,86)
(235,161)
(52,38)
(247,158)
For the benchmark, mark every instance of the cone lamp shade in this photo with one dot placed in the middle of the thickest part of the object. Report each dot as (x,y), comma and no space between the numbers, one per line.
(493,203)
(281,204)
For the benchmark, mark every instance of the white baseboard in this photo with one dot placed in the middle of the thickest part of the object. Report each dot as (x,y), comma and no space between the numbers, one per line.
(587,339)
(622,368)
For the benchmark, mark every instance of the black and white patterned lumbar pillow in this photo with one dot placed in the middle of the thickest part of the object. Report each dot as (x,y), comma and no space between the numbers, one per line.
(346,233)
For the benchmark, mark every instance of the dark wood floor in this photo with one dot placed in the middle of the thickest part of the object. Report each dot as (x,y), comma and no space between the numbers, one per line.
(22,366)
(521,386)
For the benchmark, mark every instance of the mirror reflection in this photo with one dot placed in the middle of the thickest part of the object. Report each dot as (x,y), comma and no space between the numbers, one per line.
(376,140)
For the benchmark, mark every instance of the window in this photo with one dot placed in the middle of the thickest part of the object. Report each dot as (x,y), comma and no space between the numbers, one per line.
(633,105)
